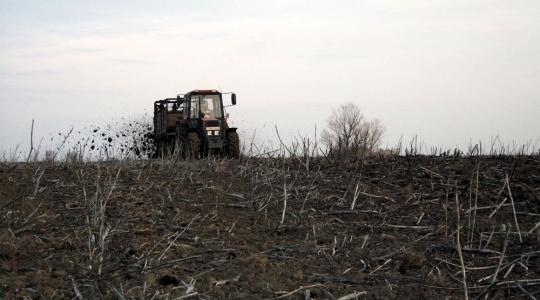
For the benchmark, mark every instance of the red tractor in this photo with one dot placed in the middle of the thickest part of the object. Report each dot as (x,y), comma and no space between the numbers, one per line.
(194,125)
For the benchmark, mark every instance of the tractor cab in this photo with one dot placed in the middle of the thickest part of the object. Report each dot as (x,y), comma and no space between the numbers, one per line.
(203,104)
(205,113)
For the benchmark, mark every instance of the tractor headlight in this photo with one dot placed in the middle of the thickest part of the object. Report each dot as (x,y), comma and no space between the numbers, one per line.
(212,130)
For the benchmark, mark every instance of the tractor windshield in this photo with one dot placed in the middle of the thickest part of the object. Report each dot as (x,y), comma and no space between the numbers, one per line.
(205,106)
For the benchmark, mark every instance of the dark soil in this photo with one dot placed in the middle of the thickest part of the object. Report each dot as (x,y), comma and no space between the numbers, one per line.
(215,229)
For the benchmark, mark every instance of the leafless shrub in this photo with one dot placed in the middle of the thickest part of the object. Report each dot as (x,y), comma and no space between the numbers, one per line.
(350,134)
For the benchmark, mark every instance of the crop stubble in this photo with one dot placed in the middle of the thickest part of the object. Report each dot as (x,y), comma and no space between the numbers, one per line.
(272,228)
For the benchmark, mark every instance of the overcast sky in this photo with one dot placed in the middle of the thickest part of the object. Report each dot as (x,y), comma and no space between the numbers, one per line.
(449,71)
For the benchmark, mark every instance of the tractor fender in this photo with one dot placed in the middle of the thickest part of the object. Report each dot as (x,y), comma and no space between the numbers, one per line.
(231,129)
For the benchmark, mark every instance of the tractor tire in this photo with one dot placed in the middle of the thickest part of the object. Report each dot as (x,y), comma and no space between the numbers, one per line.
(160,149)
(170,147)
(156,150)
(181,142)
(233,145)
(194,146)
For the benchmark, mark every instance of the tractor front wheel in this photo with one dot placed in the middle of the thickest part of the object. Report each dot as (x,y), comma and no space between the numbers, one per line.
(233,147)
(194,145)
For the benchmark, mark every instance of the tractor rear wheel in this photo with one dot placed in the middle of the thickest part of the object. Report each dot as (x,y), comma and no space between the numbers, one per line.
(156,149)
(233,147)
(194,146)
(182,142)
(161,148)
(169,147)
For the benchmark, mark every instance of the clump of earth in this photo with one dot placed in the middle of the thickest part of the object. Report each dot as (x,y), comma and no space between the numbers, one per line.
(127,137)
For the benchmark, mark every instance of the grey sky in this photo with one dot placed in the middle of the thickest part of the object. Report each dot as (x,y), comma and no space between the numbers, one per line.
(449,71)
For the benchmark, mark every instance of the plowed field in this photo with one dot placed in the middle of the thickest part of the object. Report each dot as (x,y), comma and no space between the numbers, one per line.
(380,228)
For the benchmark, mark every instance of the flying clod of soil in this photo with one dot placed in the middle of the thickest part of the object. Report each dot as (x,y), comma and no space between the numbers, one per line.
(125,138)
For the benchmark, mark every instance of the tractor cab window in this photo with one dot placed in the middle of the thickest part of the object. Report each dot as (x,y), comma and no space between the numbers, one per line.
(194,113)
(205,106)
(172,107)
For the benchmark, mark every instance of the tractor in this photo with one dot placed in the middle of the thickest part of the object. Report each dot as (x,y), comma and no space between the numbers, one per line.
(194,125)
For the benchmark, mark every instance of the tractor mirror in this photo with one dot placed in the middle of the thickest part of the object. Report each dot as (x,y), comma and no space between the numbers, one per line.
(233,99)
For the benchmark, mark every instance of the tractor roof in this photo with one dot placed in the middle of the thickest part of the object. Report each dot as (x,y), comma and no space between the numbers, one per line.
(204,92)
